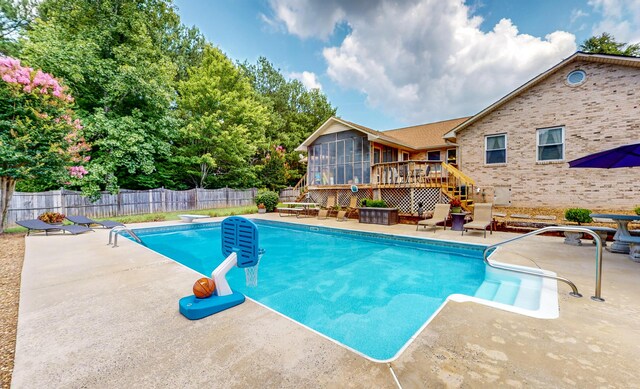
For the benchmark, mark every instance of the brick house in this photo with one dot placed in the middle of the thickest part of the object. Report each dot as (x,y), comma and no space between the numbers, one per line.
(517,149)
(404,167)
(513,153)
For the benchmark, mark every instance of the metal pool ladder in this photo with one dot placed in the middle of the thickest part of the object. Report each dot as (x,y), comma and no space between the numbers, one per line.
(115,231)
(574,292)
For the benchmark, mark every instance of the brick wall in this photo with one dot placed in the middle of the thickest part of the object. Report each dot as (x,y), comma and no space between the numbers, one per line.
(602,113)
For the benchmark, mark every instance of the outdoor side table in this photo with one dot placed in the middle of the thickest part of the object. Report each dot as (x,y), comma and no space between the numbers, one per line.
(457,221)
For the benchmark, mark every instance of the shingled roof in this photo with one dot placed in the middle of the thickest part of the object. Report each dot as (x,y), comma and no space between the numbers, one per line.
(420,137)
(425,136)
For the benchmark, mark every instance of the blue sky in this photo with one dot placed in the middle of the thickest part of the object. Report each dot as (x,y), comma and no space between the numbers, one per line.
(391,64)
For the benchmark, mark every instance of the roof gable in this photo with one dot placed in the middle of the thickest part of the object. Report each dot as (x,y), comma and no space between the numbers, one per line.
(577,56)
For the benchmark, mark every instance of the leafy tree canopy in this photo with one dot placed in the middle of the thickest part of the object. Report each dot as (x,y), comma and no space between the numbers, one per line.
(122,59)
(224,124)
(606,44)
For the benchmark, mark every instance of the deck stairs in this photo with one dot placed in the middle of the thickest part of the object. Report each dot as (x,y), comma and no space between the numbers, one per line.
(302,186)
(458,185)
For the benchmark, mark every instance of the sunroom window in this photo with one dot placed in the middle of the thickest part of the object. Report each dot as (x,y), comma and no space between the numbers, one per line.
(551,144)
(495,148)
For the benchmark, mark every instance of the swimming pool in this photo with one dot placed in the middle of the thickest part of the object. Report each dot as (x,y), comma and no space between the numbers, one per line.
(369,292)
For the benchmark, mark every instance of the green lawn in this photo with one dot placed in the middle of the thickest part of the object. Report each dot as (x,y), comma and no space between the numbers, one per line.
(162,216)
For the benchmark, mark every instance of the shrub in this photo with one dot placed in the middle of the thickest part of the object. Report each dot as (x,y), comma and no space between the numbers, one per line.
(578,215)
(637,210)
(51,217)
(376,204)
(269,199)
(363,202)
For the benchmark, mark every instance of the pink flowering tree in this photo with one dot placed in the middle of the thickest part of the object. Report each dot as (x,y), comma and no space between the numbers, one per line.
(38,135)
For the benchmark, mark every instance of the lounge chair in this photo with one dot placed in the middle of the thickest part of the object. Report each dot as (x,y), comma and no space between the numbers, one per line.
(325,213)
(440,215)
(39,225)
(85,221)
(482,218)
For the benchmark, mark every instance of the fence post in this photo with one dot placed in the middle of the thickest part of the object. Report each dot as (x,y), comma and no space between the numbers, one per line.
(150,200)
(119,202)
(197,198)
(226,196)
(63,205)
(163,198)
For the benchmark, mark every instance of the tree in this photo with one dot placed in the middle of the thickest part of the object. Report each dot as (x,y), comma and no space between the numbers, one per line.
(606,44)
(121,58)
(15,16)
(296,112)
(38,135)
(224,124)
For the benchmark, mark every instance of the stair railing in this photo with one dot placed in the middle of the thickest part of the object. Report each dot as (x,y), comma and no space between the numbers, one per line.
(301,185)
(574,292)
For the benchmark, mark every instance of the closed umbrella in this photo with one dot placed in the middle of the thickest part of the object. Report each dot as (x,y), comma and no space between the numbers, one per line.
(623,156)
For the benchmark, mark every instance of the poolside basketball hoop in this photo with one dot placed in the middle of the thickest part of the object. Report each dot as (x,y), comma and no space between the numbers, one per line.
(240,247)
(251,272)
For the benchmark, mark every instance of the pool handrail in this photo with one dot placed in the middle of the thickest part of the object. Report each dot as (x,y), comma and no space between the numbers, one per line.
(574,292)
(117,230)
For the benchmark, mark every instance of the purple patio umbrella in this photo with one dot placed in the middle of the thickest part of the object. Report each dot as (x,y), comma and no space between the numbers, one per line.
(623,156)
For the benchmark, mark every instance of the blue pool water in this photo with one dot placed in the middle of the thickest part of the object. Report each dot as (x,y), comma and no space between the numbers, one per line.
(368,293)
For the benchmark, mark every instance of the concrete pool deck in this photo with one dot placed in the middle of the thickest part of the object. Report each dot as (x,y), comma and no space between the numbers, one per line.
(94,316)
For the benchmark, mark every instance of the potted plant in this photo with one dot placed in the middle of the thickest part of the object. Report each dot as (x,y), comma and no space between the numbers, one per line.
(456,205)
(376,212)
(576,215)
(637,210)
(262,208)
(52,217)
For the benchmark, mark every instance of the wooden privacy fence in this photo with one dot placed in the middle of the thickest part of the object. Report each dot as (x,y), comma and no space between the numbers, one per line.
(26,205)
(289,194)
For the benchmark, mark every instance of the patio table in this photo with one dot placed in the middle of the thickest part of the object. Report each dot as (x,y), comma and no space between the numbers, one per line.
(305,207)
(457,220)
(622,230)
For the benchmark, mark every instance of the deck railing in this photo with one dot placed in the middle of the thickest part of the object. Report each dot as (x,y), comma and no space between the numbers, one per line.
(408,174)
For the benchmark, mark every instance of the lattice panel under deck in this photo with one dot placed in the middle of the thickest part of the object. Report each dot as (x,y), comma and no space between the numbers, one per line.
(343,196)
(401,198)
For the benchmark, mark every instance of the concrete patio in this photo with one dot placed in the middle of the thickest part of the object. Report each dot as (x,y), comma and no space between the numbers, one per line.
(94,316)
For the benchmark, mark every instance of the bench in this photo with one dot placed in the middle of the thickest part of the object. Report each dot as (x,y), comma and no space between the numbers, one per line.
(634,246)
(191,218)
(289,211)
(573,238)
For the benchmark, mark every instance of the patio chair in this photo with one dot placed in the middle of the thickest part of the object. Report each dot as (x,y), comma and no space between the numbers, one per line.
(85,221)
(39,225)
(325,213)
(440,215)
(482,218)
(345,214)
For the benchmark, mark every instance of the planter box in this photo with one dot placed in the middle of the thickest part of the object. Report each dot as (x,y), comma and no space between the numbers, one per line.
(384,216)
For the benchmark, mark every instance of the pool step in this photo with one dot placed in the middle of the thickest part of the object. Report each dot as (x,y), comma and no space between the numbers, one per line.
(505,292)
(487,290)
(529,294)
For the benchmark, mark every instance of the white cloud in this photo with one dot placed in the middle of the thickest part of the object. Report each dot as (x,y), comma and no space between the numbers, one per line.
(423,60)
(308,79)
(577,14)
(620,18)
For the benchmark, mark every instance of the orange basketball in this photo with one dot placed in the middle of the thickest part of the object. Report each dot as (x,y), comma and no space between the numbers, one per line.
(204,287)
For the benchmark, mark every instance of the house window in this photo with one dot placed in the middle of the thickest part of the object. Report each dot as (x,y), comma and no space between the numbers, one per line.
(405,156)
(451,156)
(495,149)
(433,155)
(576,77)
(551,144)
